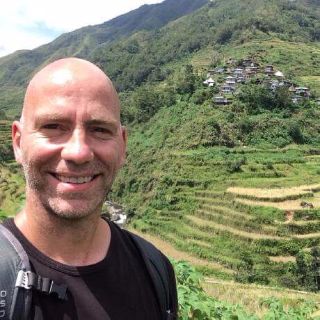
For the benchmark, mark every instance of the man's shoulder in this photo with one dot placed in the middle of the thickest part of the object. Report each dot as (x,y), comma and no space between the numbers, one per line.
(144,246)
(160,270)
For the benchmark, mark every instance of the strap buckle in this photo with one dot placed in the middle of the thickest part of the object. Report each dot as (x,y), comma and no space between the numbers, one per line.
(29,280)
(23,280)
(60,290)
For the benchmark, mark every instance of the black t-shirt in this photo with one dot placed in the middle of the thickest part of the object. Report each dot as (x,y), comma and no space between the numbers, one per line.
(118,287)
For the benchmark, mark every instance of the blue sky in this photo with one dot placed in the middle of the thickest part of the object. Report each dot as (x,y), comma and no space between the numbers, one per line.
(27,24)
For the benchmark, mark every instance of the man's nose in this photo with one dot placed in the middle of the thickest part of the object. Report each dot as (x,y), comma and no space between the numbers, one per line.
(76,149)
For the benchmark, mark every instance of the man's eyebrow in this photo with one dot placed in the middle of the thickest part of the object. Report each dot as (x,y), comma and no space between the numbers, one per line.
(99,122)
(57,117)
(50,117)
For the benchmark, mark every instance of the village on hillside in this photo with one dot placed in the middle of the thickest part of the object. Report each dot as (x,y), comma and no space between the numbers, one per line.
(230,77)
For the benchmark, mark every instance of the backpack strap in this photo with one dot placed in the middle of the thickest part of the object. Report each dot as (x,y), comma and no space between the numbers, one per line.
(158,270)
(14,302)
(17,280)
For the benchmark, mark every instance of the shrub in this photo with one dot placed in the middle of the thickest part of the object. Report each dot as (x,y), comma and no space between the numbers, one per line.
(195,304)
(234,165)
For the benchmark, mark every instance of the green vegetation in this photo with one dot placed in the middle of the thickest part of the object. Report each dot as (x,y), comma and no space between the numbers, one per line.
(11,189)
(6,152)
(195,304)
(17,68)
(180,195)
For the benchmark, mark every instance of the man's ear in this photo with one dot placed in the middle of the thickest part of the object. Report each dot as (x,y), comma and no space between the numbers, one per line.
(16,131)
(124,136)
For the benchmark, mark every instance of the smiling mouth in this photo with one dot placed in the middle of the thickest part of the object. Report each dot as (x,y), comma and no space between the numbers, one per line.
(74,180)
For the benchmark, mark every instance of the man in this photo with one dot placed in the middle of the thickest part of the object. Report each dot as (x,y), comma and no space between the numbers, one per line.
(71,144)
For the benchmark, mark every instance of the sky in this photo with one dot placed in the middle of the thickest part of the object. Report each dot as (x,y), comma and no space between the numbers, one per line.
(27,24)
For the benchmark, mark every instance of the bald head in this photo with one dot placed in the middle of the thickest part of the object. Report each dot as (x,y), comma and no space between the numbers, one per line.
(69,76)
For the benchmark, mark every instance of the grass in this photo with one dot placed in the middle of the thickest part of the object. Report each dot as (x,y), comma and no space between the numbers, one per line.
(312,82)
(282,205)
(275,195)
(170,251)
(204,224)
(11,189)
(5,131)
(250,296)
(283,259)
(199,216)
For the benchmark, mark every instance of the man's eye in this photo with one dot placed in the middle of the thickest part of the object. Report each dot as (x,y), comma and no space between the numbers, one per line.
(51,126)
(52,130)
(101,132)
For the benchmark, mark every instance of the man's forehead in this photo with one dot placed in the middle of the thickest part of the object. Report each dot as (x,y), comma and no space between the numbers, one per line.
(99,115)
(61,105)
(71,79)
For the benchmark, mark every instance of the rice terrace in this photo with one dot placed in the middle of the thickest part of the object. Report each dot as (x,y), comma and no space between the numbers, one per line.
(224,222)
(245,214)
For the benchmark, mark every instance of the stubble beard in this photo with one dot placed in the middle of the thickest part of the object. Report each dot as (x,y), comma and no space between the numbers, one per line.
(60,205)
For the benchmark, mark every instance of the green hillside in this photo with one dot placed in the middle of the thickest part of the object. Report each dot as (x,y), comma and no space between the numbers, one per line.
(16,69)
(185,151)
(216,27)
(234,186)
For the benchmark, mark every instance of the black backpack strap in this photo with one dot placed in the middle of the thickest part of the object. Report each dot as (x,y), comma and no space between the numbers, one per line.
(14,303)
(158,270)
(17,280)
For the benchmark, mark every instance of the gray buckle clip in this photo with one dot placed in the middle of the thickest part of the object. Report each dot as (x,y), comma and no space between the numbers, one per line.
(23,279)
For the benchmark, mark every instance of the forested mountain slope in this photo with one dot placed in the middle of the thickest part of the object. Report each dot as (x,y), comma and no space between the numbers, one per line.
(132,57)
(17,68)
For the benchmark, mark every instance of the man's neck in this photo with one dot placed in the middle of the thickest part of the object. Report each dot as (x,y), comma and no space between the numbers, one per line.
(75,242)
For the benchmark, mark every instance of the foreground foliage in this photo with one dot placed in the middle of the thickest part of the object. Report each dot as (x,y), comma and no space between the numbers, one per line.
(195,304)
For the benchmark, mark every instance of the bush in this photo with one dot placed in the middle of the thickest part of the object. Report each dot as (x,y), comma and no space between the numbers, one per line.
(295,133)
(195,304)
(234,165)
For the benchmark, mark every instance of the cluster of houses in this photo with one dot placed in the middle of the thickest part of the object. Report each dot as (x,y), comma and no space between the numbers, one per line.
(229,77)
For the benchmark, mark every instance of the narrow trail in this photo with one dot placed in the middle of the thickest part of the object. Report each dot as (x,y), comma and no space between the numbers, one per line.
(307,236)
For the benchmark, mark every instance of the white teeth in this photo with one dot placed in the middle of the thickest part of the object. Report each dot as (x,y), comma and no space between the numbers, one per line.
(76,180)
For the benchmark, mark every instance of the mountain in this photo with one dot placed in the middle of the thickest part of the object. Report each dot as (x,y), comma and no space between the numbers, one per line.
(17,68)
(139,46)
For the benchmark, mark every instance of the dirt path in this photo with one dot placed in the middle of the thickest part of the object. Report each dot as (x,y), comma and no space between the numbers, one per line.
(237,232)
(283,259)
(261,193)
(307,236)
(283,205)
(213,208)
(169,250)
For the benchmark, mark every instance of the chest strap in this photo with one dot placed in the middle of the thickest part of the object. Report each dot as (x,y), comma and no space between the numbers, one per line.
(31,281)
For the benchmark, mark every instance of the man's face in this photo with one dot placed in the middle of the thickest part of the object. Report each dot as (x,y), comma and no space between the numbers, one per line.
(71,145)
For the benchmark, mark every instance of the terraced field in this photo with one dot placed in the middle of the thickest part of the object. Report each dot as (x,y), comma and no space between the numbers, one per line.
(245,205)
(11,189)
(5,132)
(11,182)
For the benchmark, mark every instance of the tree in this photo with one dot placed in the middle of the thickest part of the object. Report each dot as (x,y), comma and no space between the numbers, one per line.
(186,79)
(315,253)
(308,269)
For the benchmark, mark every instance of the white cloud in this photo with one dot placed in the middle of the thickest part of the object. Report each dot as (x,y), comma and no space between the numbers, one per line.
(26,24)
